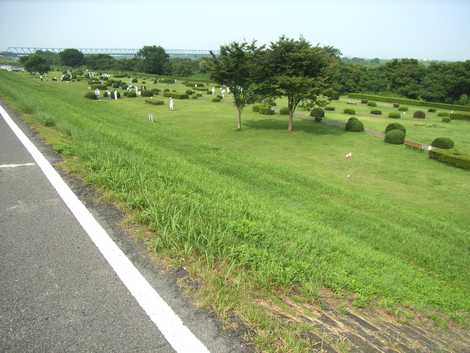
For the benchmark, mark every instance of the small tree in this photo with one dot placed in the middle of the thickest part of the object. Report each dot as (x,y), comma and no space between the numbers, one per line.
(36,63)
(294,69)
(154,59)
(234,67)
(72,57)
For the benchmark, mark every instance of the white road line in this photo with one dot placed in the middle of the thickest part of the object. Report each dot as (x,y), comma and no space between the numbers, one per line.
(170,325)
(15,165)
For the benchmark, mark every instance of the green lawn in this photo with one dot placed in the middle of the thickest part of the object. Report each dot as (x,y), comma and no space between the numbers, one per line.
(276,208)
(418,130)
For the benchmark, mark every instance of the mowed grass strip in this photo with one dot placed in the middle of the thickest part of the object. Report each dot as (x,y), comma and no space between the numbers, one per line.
(276,206)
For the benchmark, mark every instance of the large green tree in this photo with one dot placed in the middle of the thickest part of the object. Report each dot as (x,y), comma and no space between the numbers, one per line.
(100,61)
(154,59)
(294,69)
(36,63)
(234,67)
(72,57)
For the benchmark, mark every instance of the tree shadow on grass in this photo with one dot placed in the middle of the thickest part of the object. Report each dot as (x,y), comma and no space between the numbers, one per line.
(304,125)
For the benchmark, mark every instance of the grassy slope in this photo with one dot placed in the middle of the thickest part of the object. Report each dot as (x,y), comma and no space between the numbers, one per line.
(277,208)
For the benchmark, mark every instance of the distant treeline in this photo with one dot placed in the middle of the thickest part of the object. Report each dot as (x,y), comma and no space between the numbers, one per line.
(447,82)
(151,59)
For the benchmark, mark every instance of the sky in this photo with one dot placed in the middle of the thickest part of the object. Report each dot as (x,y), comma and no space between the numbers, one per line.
(423,29)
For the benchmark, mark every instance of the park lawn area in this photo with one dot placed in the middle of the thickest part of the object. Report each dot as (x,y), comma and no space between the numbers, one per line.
(418,130)
(262,211)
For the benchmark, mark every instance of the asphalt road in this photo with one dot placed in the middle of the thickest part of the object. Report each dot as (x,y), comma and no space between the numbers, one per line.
(57,292)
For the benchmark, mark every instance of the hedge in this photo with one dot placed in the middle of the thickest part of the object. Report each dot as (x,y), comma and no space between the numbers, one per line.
(130,94)
(354,125)
(459,116)
(446,119)
(443,142)
(175,95)
(443,114)
(431,110)
(317,113)
(349,111)
(154,102)
(216,99)
(329,108)
(166,80)
(395,137)
(394,115)
(372,104)
(450,157)
(364,101)
(419,114)
(147,93)
(396,105)
(416,102)
(395,126)
(403,109)
(266,110)
(376,112)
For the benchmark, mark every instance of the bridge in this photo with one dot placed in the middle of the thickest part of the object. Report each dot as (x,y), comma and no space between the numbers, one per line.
(116,52)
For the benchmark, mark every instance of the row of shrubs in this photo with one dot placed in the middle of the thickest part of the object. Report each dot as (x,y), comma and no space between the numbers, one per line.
(398,100)
(453,158)
(176,95)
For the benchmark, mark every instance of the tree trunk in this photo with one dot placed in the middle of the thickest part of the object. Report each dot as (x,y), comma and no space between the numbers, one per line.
(291,122)
(239,119)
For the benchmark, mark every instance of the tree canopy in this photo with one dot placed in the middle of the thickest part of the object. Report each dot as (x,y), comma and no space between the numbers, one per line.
(36,63)
(294,69)
(234,67)
(72,57)
(154,59)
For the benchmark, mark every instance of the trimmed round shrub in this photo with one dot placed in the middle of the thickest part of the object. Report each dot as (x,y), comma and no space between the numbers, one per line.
(284,111)
(441,114)
(419,114)
(396,105)
(394,115)
(134,80)
(216,99)
(376,112)
(330,108)
(354,125)
(317,113)
(446,119)
(155,91)
(364,101)
(147,93)
(349,111)
(443,142)
(372,104)
(395,137)
(395,126)
(431,110)
(403,109)
(189,92)
(90,95)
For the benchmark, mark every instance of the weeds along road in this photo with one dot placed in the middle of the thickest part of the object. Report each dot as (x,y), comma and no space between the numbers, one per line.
(65,285)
